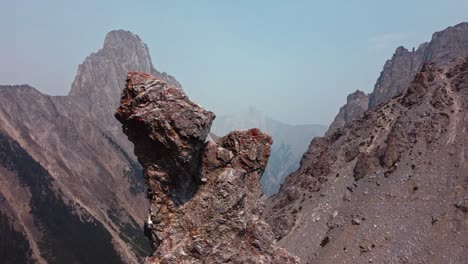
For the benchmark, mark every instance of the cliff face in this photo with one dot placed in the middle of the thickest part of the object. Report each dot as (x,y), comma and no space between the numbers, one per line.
(204,196)
(400,70)
(87,163)
(397,73)
(388,187)
(289,143)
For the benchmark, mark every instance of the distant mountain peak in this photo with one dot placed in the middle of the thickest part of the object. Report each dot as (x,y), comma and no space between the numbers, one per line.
(252,109)
(99,79)
(20,87)
(122,50)
(118,38)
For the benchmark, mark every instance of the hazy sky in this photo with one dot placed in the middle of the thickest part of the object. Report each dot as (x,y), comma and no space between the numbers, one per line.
(294,60)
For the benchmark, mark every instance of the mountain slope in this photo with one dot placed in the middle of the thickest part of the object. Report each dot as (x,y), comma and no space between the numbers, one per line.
(289,142)
(389,187)
(65,237)
(90,165)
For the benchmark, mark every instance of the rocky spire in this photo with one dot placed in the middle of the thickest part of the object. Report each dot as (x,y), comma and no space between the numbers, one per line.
(99,79)
(205,197)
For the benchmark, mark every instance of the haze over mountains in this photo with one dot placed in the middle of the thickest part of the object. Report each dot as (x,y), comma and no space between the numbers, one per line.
(386,184)
(289,142)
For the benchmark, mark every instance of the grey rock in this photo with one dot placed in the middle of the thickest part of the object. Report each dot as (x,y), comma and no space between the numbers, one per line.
(356,104)
(399,71)
(408,135)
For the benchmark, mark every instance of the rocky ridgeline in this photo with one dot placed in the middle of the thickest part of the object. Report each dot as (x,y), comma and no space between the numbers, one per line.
(388,187)
(399,71)
(204,196)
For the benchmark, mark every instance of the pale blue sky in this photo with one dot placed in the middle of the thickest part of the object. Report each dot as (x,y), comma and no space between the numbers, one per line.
(294,60)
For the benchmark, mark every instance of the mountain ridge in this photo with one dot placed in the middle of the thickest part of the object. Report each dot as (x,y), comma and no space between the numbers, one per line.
(78,142)
(399,71)
(389,185)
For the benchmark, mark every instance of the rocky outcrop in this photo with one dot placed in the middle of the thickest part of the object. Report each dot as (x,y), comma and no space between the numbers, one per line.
(400,70)
(289,142)
(397,74)
(88,163)
(356,104)
(204,196)
(388,187)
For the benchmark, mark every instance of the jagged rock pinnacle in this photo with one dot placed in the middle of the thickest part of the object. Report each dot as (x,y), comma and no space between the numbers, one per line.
(205,196)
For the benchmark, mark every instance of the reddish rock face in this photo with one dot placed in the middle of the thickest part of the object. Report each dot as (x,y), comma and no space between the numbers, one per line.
(205,196)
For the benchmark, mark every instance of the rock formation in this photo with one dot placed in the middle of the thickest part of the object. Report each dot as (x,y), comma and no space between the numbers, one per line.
(356,104)
(204,195)
(388,187)
(400,70)
(289,142)
(76,147)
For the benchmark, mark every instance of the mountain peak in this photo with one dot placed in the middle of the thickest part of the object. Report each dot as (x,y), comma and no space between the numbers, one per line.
(122,38)
(122,50)
(400,50)
(99,77)
(355,96)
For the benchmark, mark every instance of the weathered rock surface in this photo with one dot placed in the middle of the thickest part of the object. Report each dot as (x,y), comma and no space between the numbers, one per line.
(356,104)
(85,160)
(388,187)
(289,142)
(398,73)
(400,70)
(205,196)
